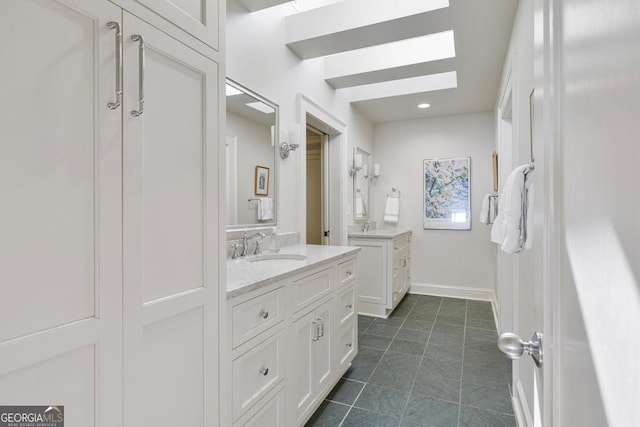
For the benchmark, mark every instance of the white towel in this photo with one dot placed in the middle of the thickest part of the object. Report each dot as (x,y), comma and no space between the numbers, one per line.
(265,208)
(489,209)
(360,210)
(513,226)
(485,212)
(392,210)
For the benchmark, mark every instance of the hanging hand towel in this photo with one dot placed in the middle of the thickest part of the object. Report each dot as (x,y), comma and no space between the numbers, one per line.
(485,210)
(512,226)
(265,208)
(392,210)
(359,207)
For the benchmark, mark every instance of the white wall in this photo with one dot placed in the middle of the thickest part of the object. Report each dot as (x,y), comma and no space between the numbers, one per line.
(258,58)
(452,259)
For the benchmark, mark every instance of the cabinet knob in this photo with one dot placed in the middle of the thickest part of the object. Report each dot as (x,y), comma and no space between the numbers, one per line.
(264,314)
(349,345)
(264,371)
(349,306)
(349,273)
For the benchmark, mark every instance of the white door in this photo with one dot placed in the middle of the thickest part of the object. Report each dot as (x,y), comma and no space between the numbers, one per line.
(597,235)
(60,220)
(171,231)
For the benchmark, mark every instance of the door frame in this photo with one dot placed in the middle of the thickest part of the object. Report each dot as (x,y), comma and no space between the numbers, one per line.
(310,113)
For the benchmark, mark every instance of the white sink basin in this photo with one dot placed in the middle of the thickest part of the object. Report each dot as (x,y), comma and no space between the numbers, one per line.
(276,257)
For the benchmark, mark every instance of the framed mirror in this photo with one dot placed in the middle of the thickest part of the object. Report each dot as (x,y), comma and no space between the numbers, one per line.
(251,142)
(361,171)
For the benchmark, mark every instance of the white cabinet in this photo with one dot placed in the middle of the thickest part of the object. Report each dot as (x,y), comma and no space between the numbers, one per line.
(311,316)
(107,255)
(384,270)
(197,21)
(311,366)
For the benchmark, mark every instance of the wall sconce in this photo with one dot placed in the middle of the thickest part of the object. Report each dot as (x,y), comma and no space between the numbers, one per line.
(285,148)
(293,135)
(376,171)
(357,165)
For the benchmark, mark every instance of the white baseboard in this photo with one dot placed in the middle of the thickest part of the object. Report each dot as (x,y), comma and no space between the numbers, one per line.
(453,292)
(520,406)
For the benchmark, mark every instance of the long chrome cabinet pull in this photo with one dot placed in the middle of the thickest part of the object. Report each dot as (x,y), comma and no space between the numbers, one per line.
(112,25)
(138,38)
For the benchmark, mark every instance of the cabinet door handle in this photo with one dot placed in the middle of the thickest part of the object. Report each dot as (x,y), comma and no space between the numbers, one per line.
(321,326)
(138,38)
(264,371)
(112,25)
(264,314)
(316,331)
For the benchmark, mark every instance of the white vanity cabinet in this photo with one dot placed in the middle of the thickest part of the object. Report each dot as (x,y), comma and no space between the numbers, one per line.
(306,319)
(384,271)
(110,221)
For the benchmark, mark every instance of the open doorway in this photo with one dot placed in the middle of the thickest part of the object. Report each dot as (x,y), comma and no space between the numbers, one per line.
(333,154)
(317,224)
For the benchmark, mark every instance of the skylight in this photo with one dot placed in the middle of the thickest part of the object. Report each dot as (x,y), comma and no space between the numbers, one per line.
(260,106)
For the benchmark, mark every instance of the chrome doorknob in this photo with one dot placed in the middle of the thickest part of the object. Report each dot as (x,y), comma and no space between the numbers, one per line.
(512,346)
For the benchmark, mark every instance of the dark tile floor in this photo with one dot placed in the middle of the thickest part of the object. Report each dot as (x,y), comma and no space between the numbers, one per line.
(433,362)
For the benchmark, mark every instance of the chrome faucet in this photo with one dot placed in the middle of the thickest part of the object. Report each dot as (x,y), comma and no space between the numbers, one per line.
(366,225)
(244,245)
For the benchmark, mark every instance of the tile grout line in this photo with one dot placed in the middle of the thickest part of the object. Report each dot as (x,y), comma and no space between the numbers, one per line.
(424,352)
(464,344)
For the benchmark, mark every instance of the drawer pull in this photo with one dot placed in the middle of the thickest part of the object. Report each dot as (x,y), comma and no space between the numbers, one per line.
(264,371)
(349,273)
(264,314)
(349,306)
(349,345)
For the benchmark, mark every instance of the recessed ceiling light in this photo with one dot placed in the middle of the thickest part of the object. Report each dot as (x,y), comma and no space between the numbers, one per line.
(423,106)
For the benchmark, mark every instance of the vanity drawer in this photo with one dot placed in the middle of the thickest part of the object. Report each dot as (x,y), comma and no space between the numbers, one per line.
(270,415)
(346,271)
(347,344)
(256,315)
(311,288)
(346,304)
(257,372)
(400,243)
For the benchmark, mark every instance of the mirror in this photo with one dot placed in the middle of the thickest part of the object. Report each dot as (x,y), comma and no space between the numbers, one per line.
(251,141)
(361,171)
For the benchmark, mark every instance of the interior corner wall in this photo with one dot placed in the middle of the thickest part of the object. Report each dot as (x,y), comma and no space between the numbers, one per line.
(258,58)
(451,259)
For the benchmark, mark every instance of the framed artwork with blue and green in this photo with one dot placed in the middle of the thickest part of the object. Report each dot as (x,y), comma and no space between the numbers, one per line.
(447,195)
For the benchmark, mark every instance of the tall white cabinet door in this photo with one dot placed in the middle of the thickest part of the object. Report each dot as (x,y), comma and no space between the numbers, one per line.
(170,231)
(200,18)
(301,375)
(323,347)
(60,220)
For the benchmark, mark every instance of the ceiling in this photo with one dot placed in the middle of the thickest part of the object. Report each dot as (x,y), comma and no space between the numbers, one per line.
(389,58)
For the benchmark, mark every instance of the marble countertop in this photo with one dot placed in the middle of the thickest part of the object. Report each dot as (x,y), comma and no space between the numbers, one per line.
(378,234)
(244,276)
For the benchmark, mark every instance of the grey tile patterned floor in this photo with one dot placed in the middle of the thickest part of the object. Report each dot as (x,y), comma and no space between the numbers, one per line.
(433,362)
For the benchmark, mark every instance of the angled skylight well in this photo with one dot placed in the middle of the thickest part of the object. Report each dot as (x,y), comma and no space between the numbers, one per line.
(261,106)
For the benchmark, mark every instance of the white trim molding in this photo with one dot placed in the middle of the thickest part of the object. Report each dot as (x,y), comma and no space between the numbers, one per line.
(520,407)
(453,292)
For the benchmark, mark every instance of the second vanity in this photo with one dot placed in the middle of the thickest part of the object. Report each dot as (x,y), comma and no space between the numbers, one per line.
(385,269)
(293,331)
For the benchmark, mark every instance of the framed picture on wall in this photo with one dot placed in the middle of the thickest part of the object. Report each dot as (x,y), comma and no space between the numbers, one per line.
(262,181)
(447,194)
